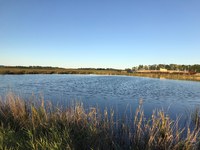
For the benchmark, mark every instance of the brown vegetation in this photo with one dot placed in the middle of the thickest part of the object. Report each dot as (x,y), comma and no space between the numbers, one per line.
(33,125)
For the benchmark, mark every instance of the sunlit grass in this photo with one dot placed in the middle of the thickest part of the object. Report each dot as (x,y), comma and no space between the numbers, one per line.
(39,125)
(169,76)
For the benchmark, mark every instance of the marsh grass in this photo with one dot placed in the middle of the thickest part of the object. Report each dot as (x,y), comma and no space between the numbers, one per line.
(51,70)
(169,76)
(195,117)
(39,125)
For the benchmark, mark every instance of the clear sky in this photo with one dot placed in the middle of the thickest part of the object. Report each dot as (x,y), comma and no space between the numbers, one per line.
(99,33)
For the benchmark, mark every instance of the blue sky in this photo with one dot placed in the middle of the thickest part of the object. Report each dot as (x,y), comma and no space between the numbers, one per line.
(99,33)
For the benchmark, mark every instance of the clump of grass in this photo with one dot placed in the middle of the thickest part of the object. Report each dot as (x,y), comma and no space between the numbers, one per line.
(33,125)
(195,116)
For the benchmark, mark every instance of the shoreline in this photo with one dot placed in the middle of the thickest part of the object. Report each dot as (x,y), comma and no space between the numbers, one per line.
(48,71)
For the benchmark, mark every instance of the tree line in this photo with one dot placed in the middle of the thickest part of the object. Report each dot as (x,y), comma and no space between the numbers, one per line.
(190,68)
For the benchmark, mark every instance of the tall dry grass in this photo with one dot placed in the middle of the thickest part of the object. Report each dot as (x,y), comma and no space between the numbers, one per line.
(169,76)
(39,125)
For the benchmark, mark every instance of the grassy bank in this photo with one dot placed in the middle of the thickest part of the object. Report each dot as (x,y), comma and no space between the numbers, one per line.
(39,125)
(195,77)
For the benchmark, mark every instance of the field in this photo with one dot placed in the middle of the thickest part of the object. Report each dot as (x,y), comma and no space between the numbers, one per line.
(36,124)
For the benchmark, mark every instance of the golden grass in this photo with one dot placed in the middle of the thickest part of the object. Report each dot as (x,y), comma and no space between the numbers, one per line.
(39,125)
(26,70)
(169,76)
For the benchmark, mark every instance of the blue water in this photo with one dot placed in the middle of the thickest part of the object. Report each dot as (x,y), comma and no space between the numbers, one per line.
(118,92)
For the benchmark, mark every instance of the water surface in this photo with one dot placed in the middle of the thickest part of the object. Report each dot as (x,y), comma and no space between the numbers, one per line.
(118,92)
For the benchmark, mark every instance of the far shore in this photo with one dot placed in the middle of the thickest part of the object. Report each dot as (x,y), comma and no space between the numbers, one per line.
(99,71)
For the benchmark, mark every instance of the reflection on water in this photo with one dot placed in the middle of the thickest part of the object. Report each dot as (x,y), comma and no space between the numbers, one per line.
(118,92)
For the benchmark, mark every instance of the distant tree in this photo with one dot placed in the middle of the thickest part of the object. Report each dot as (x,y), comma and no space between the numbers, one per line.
(128,70)
(135,69)
(153,67)
(191,68)
(167,67)
(146,67)
(140,67)
(173,67)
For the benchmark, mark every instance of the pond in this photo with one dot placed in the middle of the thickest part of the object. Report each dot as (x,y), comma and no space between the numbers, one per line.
(120,93)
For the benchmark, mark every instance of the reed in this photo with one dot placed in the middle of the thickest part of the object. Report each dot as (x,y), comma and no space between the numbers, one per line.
(39,125)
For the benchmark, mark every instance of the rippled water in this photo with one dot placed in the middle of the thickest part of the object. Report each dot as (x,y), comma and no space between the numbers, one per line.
(118,92)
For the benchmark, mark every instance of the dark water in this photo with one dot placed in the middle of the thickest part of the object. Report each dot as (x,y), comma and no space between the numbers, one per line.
(118,92)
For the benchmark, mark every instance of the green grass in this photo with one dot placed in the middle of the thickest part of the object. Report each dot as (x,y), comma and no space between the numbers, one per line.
(38,125)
